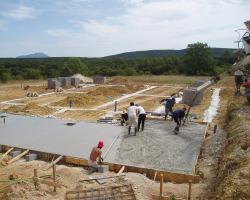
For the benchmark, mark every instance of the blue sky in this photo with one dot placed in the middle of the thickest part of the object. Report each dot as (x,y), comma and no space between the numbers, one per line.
(93,28)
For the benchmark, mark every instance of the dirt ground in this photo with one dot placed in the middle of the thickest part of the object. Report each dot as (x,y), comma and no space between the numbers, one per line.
(223,165)
(14,90)
(68,179)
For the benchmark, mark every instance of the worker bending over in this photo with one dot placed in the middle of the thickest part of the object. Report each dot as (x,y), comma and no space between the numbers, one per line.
(132,118)
(178,115)
(141,117)
(95,157)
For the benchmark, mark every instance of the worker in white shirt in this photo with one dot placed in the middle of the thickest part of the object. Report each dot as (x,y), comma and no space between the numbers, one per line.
(141,117)
(132,118)
(238,74)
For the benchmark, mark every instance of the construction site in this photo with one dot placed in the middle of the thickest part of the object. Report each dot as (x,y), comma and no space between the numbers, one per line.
(47,137)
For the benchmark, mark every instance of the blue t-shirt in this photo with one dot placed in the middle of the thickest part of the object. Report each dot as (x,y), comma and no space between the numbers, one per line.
(169,103)
(178,114)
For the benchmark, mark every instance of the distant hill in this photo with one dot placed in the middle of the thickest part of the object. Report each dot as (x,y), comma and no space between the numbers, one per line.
(216,52)
(34,55)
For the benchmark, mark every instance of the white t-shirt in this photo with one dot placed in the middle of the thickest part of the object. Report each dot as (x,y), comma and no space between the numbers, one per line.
(141,110)
(132,111)
(238,73)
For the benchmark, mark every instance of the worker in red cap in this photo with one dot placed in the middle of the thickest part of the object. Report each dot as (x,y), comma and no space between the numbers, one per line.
(95,157)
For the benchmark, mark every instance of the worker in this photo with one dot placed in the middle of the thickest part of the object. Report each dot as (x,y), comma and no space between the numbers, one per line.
(238,75)
(124,118)
(169,104)
(95,157)
(177,116)
(70,103)
(132,118)
(141,117)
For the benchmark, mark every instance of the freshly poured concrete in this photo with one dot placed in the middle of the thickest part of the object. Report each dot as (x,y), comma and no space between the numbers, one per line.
(157,147)
(53,136)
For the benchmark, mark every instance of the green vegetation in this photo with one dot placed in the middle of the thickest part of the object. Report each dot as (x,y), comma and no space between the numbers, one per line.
(197,59)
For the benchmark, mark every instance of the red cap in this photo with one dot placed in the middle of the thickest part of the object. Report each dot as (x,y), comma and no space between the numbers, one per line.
(100,144)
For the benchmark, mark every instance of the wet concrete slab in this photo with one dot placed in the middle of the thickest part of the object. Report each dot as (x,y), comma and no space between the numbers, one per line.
(54,136)
(157,147)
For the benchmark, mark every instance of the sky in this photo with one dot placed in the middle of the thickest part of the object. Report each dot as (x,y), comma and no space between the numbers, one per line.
(95,28)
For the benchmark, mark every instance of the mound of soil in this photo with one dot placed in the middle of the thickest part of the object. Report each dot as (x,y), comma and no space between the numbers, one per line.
(31,108)
(234,166)
(97,96)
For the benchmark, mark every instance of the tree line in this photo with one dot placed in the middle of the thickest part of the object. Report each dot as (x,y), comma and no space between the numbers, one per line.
(197,61)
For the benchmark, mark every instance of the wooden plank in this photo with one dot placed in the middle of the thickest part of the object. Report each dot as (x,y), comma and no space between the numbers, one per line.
(100,178)
(76,161)
(7,152)
(54,162)
(168,176)
(121,170)
(18,157)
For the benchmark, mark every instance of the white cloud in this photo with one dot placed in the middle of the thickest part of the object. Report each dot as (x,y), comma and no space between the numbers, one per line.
(59,33)
(157,25)
(21,12)
(132,2)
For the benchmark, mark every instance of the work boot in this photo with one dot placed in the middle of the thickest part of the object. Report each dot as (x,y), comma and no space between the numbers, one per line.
(176,130)
(129,128)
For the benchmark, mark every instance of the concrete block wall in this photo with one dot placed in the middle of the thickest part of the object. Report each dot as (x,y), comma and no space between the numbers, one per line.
(75,82)
(31,157)
(97,79)
(198,83)
(190,92)
(15,153)
(189,95)
(53,83)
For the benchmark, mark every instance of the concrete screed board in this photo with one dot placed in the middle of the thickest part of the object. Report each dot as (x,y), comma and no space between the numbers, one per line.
(53,136)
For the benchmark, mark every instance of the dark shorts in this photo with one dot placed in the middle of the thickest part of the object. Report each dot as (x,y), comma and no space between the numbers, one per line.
(238,80)
(176,119)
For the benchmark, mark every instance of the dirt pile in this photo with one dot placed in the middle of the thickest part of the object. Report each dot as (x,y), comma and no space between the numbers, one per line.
(97,96)
(31,108)
(234,166)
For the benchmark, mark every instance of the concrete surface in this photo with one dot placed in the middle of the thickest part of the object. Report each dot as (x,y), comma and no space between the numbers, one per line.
(157,147)
(53,136)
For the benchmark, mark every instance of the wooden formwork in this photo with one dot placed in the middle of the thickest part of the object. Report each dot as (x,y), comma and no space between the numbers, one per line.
(150,173)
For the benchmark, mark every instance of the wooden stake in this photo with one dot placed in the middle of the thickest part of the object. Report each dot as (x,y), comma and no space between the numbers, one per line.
(189,189)
(121,170)
(35,178)
(54,176)
(54,162)
(18,157)
(155,175)
(161,186)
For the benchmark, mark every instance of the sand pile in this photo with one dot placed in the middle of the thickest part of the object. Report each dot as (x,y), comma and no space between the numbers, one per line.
(31,108)
(97,96)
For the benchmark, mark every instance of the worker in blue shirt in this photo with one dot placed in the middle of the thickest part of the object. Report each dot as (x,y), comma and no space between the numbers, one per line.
(169,104)
(177,116)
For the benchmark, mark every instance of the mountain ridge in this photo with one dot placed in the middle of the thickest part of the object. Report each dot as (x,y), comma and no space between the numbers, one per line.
(34,55)
(216,52)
